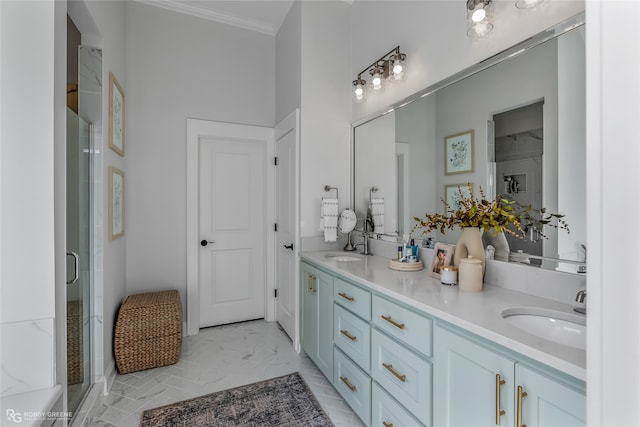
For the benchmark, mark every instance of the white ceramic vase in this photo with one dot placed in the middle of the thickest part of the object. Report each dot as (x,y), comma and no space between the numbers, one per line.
(469,243)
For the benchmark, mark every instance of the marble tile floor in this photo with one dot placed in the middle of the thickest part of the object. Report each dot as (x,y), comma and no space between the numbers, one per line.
(213,360)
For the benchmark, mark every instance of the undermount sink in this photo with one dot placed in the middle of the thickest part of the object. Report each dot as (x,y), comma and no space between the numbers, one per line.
(343,258)
(562,328)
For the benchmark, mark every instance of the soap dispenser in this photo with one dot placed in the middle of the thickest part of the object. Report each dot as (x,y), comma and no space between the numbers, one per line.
(470,274)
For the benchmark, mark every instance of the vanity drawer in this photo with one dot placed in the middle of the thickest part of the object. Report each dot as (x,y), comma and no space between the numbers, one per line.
(385,411)
(353,298)
(403,324)
(353,336)
(353,384)
(402,373)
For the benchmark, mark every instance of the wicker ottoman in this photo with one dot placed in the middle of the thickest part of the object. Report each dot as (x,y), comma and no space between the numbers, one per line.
(148,331)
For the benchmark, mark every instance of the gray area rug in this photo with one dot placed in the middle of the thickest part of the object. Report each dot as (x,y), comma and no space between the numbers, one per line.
(283,401)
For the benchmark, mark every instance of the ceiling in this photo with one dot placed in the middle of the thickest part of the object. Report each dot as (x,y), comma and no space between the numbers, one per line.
(263,16)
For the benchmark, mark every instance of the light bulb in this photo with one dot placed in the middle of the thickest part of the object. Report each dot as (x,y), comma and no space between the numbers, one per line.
(478,14)
(397,68)
(358,90)
(376,81)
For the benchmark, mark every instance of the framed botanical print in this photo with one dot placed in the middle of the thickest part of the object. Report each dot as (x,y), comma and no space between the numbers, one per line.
(458,153)
(453,193)
(116,115)
(116,203)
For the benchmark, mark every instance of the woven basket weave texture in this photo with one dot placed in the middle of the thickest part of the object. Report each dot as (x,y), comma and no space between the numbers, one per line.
(148,331)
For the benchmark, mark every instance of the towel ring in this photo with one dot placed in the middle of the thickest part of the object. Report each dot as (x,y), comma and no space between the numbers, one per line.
(328,188)
(371,191)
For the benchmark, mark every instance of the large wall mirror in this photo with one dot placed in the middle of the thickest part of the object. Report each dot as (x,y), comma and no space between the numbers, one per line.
(521,117)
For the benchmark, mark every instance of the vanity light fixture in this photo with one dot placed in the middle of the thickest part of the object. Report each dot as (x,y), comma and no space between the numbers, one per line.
(391,66)
(479,17)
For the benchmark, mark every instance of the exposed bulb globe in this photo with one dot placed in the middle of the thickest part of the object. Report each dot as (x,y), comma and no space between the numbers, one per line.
(478,15)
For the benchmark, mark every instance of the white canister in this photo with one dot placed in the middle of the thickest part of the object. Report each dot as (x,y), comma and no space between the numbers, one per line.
(449,275)
(470,274)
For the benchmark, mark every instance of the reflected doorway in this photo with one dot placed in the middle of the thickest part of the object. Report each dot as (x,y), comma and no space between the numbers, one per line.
(519,146)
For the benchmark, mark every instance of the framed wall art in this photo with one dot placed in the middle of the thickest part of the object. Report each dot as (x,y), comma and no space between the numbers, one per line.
(458,153)
(116,203)
(442,256)
(452,194)
(116,115)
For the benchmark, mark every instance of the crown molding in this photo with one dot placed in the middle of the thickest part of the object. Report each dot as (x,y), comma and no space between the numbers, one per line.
(216,16)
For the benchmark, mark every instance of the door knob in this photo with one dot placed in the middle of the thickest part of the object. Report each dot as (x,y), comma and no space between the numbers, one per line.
(288,246)
(206,242)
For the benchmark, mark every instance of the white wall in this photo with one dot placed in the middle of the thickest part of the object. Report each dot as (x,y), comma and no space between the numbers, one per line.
(180,66)
(27,248)
(418,27)
(325,108)
(289,63)
(613,156)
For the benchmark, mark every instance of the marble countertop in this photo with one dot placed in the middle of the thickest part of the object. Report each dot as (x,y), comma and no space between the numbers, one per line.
(477,312)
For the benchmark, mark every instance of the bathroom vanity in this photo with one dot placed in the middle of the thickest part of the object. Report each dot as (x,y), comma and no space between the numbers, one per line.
(405,350)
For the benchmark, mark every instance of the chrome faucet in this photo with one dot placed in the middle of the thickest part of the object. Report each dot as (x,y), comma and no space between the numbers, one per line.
(581,296)
(365,238)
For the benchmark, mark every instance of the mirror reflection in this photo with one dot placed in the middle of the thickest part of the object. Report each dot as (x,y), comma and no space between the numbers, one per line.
(523,123)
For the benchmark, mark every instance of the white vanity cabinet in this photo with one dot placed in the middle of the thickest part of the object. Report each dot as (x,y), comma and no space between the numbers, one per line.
(316,290)
(475,384)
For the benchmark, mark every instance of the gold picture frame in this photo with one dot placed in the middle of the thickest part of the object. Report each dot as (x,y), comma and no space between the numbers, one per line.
(116,203)
(458,153)
(116,115)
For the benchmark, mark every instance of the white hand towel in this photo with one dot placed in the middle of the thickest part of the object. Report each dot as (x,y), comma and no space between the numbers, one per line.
(377,213)
(329,219)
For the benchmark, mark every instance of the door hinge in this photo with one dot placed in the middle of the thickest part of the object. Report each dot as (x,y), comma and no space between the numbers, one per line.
(275,227)
(275,293)
(275,161)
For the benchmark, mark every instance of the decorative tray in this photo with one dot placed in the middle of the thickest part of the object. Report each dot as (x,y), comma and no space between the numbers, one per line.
(394,264)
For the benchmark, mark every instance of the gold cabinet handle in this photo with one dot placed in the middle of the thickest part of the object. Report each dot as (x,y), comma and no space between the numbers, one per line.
(499,411)
(348,335)
(393,322)
(389,367)
(345,380)
(310,285)
(347,297)
(521,394)
(386,424)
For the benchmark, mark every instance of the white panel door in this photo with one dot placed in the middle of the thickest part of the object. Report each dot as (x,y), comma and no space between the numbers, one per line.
(232,186)
(286,134)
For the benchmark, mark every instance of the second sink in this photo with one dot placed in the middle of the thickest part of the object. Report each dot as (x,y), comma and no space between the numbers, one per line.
(557,326)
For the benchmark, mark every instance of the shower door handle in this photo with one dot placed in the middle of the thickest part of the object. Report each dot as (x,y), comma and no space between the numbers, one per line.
(75,267)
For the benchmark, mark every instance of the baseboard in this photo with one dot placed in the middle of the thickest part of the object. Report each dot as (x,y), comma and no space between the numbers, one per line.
(109,376)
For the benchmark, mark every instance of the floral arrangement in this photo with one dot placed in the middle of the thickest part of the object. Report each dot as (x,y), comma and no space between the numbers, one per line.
(499,214)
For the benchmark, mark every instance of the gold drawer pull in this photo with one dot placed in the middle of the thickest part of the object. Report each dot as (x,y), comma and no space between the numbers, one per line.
(348,335)
(393,322)
(389,367)
(521,394)
(347,297)
(499,412)
(386,424)
(348,384)
(310,283)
